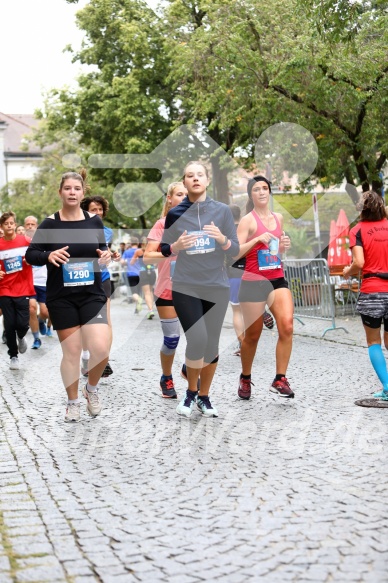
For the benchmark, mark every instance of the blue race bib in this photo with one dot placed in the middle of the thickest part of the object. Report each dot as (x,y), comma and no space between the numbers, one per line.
(266,260)
(75,274)
(203,243)
(13,264)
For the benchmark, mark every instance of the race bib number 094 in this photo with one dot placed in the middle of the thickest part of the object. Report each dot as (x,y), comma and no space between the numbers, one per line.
(203,243)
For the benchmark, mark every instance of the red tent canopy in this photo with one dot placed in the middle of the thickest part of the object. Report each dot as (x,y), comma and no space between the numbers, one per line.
(343,254)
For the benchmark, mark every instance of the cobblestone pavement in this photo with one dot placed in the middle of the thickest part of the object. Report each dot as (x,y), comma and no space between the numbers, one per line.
(269,491)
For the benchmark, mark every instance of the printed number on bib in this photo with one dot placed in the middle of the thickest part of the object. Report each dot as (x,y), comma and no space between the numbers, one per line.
(75,274)
(13,264)
(267,261)
(203,243)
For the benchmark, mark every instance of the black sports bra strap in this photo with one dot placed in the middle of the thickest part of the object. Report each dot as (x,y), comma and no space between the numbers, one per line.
(58,217)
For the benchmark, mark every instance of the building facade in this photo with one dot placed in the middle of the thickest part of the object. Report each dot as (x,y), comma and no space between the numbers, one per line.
(16,162)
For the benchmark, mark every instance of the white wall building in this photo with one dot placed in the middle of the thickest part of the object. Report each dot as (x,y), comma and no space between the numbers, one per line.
(15,163)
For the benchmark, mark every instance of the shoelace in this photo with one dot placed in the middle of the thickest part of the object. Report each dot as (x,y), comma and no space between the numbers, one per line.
(169,384)
(206,402)
(73,408)
(247,383)
(93,397)
(189,400)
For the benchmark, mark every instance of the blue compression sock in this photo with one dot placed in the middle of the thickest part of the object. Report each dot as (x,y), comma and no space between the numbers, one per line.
(378,362)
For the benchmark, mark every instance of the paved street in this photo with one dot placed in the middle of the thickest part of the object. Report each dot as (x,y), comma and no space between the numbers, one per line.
(269,491)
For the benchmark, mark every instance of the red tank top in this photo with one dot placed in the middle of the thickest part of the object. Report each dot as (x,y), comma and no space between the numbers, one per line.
(260,264)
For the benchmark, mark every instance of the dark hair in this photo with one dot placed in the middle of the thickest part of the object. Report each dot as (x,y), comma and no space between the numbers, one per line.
(250,185)
(5,216)
(236,212)
(371,206)
(87,201)
(81,176)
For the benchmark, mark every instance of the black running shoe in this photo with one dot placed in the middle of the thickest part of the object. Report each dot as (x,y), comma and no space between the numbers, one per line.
(107,371)
(168,389)
(184,375)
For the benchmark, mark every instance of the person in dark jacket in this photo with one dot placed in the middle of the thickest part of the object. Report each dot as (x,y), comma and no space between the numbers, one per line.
(199,232)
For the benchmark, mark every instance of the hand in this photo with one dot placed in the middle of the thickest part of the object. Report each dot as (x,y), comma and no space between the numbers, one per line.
(214,232)
(265,238)
(59,256)
(105,257)
(285,242)
(345,272)
(2,274)
(116,256)
(185,241)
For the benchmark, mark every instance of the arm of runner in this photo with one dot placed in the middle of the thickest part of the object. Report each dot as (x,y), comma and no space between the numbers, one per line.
(152,253)
(243,234)
(357,263)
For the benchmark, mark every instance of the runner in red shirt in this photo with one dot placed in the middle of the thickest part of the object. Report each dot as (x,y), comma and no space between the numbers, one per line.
(16,287)
(369,244)
(176,192)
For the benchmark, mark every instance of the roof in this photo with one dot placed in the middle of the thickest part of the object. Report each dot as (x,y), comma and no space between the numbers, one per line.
(18,125)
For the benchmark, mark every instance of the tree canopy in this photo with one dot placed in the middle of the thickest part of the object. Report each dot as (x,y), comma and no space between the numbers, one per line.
(235,67)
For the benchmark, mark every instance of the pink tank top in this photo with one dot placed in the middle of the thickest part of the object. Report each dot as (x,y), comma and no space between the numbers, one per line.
(260,263)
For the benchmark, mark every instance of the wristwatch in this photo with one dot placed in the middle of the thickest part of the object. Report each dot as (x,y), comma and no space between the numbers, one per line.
(225,242)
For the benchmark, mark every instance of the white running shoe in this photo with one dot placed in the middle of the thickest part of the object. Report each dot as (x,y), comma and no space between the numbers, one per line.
(94,405)
(205,406)
(22,344)
(72,414)
(186,405)
(14,363)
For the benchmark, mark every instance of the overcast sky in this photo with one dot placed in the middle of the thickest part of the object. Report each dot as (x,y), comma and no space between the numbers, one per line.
(32,37)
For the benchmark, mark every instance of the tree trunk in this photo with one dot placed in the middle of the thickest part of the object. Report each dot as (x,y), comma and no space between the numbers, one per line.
(220,179)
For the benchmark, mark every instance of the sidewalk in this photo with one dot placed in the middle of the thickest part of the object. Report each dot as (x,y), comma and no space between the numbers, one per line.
(269,491)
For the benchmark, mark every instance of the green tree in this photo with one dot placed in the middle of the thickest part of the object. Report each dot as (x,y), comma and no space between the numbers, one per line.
(254,63)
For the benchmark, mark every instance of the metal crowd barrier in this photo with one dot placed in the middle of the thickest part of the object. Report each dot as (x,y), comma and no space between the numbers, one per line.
(312,291)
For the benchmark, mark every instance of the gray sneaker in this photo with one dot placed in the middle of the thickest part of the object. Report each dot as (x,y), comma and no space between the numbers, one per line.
(94,405)
(72,414)
(22,344)
(14,363)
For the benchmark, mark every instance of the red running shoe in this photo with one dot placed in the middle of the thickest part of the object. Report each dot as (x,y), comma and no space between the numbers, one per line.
(167,388)
(244,389)
(282,388)
(268,320)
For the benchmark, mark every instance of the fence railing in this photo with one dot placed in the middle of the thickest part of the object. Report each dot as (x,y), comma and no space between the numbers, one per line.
(312,290)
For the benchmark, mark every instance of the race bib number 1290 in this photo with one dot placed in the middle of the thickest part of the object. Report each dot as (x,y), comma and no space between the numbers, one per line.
(75,274)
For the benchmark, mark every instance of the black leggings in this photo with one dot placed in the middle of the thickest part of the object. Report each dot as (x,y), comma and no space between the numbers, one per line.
(16,314)
(201,311)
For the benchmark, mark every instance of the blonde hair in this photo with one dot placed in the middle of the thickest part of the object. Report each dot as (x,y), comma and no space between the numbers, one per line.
(167,203)
(198,163)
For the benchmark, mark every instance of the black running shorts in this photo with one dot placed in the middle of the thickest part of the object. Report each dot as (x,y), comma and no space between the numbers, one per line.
(77,310)
(258,291)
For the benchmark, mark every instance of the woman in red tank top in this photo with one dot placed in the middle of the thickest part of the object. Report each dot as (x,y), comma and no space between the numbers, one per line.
(262,241)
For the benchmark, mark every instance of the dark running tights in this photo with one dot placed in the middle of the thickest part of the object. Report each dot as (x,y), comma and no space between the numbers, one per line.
(201,311)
